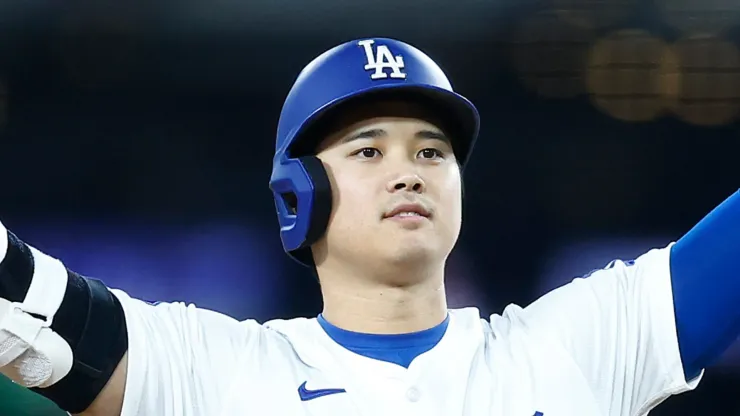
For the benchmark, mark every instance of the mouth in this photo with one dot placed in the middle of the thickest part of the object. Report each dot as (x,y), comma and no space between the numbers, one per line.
(408,211)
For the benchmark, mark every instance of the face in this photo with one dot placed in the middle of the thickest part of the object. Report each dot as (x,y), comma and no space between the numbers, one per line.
(397,191)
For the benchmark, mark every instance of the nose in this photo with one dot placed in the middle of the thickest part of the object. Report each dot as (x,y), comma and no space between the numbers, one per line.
(408,182)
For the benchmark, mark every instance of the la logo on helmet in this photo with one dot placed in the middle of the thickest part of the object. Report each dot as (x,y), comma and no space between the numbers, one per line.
(379,59)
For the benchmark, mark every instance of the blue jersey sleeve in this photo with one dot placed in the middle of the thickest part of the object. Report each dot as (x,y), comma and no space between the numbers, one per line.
(705,275)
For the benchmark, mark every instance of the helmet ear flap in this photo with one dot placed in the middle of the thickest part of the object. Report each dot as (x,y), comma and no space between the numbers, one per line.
(303,199)
(320,212)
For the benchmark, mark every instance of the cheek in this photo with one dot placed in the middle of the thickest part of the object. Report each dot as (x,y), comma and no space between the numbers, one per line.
(451,191)
(450,200)
(345,189)
(454,204)
(353,202)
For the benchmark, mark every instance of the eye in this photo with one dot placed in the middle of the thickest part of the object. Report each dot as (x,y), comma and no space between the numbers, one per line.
(430,153)
(367,152)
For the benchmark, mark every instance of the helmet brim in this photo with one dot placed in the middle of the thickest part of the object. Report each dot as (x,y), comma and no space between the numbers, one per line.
(460,114)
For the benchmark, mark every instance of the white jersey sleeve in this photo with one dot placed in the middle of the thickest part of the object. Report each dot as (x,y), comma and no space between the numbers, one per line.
(618,326)
(181,359)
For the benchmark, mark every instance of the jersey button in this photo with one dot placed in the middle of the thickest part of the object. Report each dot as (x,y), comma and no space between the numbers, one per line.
(413,394)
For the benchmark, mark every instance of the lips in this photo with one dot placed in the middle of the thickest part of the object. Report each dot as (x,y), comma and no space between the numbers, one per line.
(408,210)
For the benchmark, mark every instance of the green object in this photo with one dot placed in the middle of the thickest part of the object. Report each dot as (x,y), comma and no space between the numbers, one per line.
(19,401)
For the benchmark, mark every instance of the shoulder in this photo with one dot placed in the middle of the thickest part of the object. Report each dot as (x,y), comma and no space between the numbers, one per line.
(177,322)
(293,329)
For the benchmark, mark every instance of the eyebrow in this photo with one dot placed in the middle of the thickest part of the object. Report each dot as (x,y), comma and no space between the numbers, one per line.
(378,133)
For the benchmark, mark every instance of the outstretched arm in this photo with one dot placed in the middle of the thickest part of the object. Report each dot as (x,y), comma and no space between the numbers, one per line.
(705,276)
(64,334)
(651,324)
(98,352)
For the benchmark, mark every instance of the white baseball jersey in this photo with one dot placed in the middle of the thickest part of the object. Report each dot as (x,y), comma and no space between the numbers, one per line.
(602,345)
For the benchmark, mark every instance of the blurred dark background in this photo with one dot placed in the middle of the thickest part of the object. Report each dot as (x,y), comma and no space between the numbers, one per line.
(136,140)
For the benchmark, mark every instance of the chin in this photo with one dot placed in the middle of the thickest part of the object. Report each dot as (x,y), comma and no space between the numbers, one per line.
(409,252)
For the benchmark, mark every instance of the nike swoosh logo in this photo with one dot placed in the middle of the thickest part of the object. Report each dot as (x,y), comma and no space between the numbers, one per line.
(306,394)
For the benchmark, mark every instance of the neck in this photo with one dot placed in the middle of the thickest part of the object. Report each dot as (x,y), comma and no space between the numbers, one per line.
(368,305)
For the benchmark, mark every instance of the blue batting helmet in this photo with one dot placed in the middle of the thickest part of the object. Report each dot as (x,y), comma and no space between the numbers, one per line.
(350,71)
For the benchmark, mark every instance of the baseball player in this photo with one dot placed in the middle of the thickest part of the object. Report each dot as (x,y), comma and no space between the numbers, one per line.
(366,175)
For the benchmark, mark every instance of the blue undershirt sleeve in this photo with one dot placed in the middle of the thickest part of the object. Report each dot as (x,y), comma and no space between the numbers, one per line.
(705,275)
